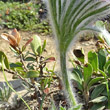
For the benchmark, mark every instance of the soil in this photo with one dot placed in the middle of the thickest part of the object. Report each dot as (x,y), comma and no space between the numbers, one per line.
(57,94)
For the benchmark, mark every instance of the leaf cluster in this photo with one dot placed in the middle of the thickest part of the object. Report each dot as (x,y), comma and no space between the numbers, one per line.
(92,78)
(31,68)
(5,93)
(23,16)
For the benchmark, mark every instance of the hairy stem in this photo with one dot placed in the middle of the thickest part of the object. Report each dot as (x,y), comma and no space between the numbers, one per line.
(65,79)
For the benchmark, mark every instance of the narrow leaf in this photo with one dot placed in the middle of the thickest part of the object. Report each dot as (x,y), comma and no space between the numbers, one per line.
(76,76)
(98,107)
(44,45)
(97,91)
(50,59)
(95,80)
(99,99)
(39,50)
(77,107)
(103,73)
(27,43)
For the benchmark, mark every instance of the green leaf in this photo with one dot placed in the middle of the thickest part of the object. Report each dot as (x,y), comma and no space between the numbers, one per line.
(77,107)
(94,80)
(97,91)
(35,44)
(14,65)
(100,24)
(61,108)
(17,67)
(68,20)
(4,57)
(93,60)
(87,73)
(39,50)
(13,50)
(44,45)
(103,73)
(30,59)
(105,93)
(98,107)
(106,67)
(76,75)
(99,99)
(32,74)
(101,59)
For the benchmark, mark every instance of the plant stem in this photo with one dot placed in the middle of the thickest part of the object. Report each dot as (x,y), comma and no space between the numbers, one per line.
(108,93)
(22,61)
(13,89)
(41,105)
(65,78)
(15,73)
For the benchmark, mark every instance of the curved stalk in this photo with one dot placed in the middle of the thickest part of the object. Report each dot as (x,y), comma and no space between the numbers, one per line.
(13,89)
(65,79)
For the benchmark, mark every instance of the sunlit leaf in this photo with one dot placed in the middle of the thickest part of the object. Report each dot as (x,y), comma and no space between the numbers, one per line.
(100,24)
(93,60)
(99,99)
(61,108)
(39,50)
(13,50)
(103,73)
(35,44)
